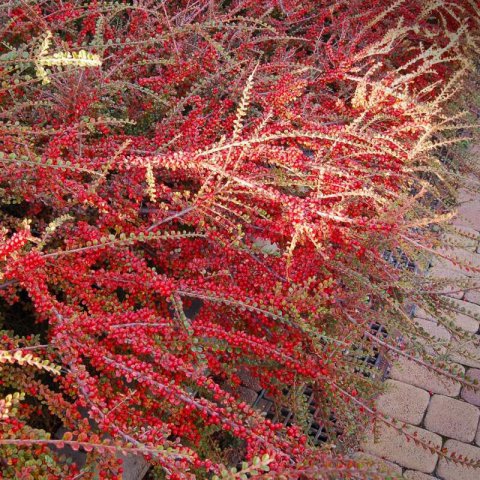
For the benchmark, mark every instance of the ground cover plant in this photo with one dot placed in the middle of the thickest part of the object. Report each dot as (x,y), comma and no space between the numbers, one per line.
(196,191)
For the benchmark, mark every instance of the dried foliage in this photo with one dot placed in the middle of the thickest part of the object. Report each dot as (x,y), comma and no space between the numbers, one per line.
(192,191)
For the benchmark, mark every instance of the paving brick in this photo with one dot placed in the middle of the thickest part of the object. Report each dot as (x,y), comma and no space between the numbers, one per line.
(464,195)
(468,394)
(421,313)
(467,315)
(246,394)
(403,402)
(384,466)
(468,215)
(469,307)
(393,446)
(460,241)
(414,475)
(135,467)
(449,276)
(248,380)
(408,371)
(473,296)
(464,237)
(451,471)
(459,316)
(443,264)
(465,322)
(440,335)
(452,418)
(471,357)
(465,257)
(454,292)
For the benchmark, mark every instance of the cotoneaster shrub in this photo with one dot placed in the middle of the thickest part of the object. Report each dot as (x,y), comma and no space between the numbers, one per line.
(195,191)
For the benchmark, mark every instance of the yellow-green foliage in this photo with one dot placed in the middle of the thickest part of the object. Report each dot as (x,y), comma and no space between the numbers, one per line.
(81,59)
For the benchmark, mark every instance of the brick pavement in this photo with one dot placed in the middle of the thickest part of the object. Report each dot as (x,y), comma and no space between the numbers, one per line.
(437,409)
